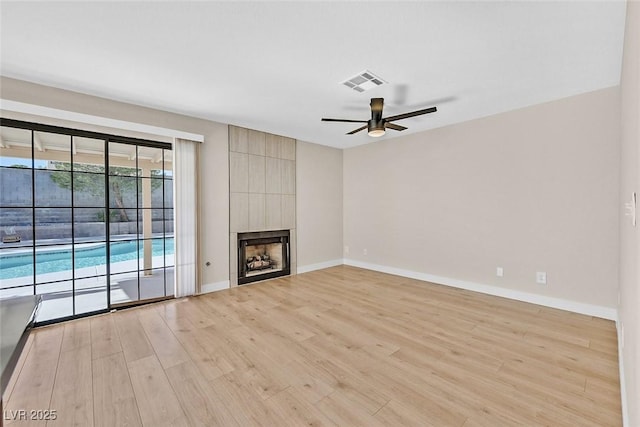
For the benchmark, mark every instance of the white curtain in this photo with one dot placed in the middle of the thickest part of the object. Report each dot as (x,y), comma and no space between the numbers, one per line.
(185,190)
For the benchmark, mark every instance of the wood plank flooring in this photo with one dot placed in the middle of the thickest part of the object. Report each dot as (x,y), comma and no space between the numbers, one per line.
(337,347)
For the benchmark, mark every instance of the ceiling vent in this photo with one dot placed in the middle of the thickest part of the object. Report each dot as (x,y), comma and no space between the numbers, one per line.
(363,81)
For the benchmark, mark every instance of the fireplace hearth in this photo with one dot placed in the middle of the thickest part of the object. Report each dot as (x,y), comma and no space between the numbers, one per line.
(263,255)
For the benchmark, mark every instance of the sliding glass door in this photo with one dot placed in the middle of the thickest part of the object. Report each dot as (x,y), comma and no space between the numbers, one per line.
(140,222)
(86,219)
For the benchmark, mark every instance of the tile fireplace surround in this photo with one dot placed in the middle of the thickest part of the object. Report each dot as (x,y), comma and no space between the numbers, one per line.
(262,189)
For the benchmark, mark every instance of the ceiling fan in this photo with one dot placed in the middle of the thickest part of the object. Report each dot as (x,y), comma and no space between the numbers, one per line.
(377,125)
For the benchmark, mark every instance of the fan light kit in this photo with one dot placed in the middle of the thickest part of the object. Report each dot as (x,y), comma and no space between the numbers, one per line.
(377,125)
(376,132)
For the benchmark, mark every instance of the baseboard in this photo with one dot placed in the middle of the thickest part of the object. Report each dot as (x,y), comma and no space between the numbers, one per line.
(319,266)
(623,387)
(562,304)
(217,286)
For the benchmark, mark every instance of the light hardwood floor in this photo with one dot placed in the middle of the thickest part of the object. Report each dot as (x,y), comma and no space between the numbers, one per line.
(341,346)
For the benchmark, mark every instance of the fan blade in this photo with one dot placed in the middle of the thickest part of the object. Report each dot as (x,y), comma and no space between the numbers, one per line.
(393,126)
(357,130)
(344,120)
(412,114)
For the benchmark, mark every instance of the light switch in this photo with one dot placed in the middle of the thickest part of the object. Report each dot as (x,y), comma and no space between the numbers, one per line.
(631,208)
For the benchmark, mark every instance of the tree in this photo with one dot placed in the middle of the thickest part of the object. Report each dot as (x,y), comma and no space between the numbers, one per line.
(120,181)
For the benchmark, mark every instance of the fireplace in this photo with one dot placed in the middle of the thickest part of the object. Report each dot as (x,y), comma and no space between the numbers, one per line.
(263,255)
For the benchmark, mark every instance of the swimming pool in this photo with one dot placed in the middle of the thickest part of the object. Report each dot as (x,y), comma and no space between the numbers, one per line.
(55,260)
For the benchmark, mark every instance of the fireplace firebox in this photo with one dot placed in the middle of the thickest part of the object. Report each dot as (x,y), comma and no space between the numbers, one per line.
(263,255)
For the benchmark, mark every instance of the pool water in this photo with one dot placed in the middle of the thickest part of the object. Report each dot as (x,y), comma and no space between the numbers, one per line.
(52,261)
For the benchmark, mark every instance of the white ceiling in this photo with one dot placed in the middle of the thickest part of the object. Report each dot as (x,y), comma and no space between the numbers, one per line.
(277,66)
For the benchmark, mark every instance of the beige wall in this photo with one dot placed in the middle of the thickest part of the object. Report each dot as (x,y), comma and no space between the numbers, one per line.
(214,156)
(319,204)
(629,235)
(530,190)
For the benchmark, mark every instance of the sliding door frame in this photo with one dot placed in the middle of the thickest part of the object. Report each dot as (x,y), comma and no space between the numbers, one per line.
(107,139)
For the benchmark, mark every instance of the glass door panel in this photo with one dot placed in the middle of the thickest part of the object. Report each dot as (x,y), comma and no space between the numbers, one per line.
(90,294)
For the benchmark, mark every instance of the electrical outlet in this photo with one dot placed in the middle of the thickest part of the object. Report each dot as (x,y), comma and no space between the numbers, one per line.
(541,277)
(364,252)
(346,250)
(499,272)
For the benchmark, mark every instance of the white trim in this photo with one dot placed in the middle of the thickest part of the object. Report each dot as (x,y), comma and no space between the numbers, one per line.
(38,110)
(319,266)
(212,287)
(623,384)
(562,304)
